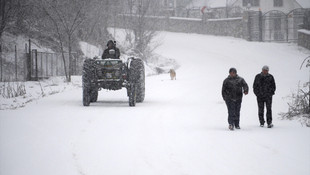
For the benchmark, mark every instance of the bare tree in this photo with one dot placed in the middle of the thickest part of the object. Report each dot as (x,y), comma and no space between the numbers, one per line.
(66,17)
(7,14)
(140,30)
(94,29)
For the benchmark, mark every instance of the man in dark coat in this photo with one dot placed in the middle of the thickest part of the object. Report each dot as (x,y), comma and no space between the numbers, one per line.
(112,51)
(232,92)
(264,88)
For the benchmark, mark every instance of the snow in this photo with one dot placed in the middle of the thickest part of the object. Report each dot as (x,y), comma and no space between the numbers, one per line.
(226,19)
(181,128)
(188,19)
(304,31)
(89,50)
(304,3)
(211,3)
(35,91)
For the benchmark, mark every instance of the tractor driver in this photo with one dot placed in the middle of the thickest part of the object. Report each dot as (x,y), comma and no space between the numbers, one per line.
(112,51)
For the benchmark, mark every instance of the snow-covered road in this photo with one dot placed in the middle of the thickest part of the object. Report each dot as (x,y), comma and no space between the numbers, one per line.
(180,129)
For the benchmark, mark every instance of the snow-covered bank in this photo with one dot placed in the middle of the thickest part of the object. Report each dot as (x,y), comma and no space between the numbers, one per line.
(35,90)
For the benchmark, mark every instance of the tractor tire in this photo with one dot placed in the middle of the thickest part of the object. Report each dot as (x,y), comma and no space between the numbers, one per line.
(87,76)
(94,96)
(137,75)
(132,95)
(86,97)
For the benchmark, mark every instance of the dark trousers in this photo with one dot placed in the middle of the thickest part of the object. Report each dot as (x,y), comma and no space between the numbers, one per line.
(233,107)
(261,105)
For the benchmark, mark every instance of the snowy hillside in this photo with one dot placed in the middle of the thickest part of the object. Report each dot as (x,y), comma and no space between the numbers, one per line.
(181,128)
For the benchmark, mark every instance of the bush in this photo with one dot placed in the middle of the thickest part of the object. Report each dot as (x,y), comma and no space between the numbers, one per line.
(11,90)
(299,107)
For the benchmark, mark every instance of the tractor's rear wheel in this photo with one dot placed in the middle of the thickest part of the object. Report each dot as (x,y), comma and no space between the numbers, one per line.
(88,76)
(137,76)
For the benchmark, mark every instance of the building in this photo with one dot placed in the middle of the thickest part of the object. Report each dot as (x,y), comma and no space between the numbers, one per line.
(265,6)
(277,20)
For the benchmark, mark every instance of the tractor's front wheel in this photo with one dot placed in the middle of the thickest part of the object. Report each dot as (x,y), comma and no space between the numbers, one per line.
(86,97)
(94,96)
(132,93)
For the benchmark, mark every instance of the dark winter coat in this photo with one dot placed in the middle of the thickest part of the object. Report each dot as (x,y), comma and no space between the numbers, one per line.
(264,85)
(233,88)
(106,53)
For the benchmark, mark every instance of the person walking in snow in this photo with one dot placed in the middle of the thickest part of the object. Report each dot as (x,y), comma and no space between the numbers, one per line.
(112,51)
(264,87)
(232,92)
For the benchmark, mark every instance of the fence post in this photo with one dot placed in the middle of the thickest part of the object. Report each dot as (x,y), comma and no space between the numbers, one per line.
(1,63)
(41,65)
(46,65)
(15,63)
(56,64)
(28,62)
(76,64)
(25,63)
(36,62)
(52,64)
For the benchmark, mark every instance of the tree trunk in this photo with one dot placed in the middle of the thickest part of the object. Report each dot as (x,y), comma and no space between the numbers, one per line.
(70,59)
(64,60)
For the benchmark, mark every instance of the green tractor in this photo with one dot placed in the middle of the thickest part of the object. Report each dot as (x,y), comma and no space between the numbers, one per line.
(113,74)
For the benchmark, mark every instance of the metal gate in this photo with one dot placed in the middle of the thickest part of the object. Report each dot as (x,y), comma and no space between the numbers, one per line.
(274,25)
(281,27)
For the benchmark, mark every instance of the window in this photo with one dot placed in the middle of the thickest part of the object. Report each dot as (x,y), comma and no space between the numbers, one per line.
(277,3)
(254,3)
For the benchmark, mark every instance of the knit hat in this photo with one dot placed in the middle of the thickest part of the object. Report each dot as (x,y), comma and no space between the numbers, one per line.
(265,68)
(233,70)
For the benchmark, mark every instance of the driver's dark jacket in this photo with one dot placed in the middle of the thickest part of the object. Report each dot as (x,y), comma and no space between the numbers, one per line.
(233,88)
(106,53)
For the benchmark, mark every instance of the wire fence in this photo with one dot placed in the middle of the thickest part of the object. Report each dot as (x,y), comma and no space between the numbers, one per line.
(45,64)
(12,65)
(22,66)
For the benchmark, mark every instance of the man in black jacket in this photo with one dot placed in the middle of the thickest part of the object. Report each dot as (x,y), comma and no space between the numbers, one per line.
(232,92)
(111,52)
(264,88)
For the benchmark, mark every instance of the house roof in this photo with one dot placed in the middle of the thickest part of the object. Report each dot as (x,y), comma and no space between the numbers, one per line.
(304,3)
(210,3)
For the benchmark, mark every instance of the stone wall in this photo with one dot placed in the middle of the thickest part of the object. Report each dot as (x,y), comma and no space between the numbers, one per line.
(304,38)
(221,27)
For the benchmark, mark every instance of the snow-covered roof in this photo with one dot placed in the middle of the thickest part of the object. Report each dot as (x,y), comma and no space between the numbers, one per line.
(304,3)
(210,3)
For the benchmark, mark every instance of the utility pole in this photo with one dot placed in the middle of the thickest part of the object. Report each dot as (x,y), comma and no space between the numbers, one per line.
(226,8)
(175,8)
